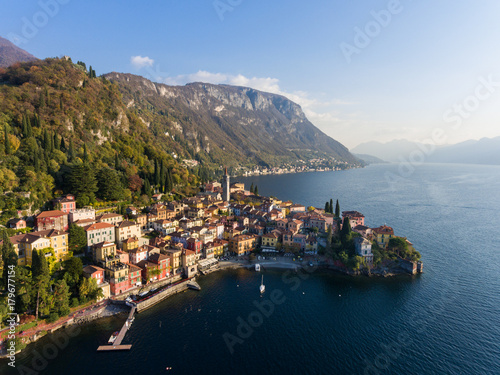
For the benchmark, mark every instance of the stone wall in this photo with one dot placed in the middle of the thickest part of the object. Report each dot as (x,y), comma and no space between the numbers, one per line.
(162,295)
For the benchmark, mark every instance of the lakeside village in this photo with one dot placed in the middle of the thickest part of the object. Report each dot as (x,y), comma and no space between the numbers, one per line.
(76,262)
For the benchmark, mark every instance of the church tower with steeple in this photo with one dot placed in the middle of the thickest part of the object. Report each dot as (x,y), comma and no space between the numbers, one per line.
(226,187)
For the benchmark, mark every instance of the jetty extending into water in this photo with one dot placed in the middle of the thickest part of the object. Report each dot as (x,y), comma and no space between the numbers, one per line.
(116,345)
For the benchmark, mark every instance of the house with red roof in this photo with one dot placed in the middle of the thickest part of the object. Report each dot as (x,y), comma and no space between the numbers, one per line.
(66,204)
(54,219)
(99,232)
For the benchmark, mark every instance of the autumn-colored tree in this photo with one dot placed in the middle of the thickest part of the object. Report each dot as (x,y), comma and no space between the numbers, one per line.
(134,183)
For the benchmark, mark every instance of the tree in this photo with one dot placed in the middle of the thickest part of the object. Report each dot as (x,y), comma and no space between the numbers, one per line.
(24,289)
(156,181)
(57,142)
(7,141)
(82,183)
(337,209)
(89,290)
(109,185)
(134,183)
(256,190)
(71,150)
(327,207)
(252,188)
(399,246)
(85,153)
(77,239)
(329,237)
(41,280)
(60,298)
(73,271)
(331,206)
(147,188)
(346,231)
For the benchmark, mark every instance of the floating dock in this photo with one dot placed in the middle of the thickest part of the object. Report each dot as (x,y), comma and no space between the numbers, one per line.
(116,345)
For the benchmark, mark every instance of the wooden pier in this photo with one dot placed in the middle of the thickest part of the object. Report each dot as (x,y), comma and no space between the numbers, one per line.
(116,345)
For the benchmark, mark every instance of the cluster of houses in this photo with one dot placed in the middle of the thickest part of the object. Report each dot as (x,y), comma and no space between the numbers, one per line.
(180,238)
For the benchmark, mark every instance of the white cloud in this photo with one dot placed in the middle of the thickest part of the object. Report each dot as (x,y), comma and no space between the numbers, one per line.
(140,62)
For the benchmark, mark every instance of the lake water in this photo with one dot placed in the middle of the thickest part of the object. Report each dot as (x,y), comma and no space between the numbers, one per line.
(445,321)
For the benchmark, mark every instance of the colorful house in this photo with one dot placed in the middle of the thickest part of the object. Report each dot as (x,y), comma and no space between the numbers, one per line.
(51,220)
(99,232)
(383,234)
(242,244)
(66,204)
(125,230)
(355,218)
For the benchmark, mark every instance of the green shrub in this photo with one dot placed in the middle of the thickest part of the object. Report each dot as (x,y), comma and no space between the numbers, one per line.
(52,317)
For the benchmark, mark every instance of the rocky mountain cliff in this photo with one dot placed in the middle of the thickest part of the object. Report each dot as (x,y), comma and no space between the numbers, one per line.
(10,54)
(228,124)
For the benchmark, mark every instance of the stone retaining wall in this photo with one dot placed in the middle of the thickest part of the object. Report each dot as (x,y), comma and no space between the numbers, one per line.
(162,295)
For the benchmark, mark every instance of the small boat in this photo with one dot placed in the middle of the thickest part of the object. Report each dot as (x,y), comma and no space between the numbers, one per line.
(143,293)
(113,337)
(257,267)
(262,286)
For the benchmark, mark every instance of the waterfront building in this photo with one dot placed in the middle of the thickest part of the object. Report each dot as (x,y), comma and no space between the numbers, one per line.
(382,235)
(355,218)
(363,248)
(242,244)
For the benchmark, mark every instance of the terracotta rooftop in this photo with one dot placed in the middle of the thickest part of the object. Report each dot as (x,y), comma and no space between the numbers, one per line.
(52,213)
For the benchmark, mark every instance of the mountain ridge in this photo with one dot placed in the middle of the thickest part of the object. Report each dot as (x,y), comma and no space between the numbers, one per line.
(10,54)
(268,128)
(482,151)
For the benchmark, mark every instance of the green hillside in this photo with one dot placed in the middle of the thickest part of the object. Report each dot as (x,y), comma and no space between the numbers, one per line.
(64,130)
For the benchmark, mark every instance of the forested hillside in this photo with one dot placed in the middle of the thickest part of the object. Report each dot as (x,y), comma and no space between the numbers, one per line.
(64,130)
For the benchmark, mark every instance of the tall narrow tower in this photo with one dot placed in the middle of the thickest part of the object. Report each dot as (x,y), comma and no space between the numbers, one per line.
(226,186)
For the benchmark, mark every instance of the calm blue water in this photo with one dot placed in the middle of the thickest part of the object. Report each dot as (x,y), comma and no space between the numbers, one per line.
(446,321)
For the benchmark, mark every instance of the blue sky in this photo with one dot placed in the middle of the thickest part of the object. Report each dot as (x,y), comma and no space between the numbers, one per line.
(362,70)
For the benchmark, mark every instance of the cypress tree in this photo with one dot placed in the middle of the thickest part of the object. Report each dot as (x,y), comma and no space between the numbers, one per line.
(29,129)
(337,209)
(327,206)
(63,144)
(36,162)
(47,96)
(71,150)
(251,188)
(25,126)
(256,190)
(41,100)
(331,206)
(117,162)
(147,187)
(57,142)
(7,141)
(41,277)
(85,153)
(157,174)
(46,139)
(90,71)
